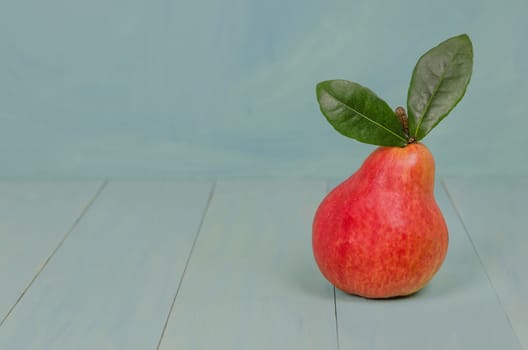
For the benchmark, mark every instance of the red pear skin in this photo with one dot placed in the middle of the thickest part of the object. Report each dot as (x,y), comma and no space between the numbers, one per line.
(380,233)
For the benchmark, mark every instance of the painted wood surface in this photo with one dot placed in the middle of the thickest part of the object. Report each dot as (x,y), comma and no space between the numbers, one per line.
(457,310)
(251,282)
(495,214)
(34,218)
(110,276)
(111,284)
(217,88)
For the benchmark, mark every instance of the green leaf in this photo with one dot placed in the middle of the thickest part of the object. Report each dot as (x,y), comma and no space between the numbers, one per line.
(356,112)
(438,83)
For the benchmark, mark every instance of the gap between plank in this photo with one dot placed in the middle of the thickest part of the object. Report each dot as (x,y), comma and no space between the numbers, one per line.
(336,323)
(459,215)
(186,264)
(45,263)
(328,188)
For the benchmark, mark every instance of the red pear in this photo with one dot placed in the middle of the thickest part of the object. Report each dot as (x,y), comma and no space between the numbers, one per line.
(380,233)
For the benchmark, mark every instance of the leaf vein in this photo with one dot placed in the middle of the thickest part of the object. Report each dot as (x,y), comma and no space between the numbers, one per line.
(369,119)
(442,78)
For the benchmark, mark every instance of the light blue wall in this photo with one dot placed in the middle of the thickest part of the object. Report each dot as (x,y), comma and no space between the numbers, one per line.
(223,88)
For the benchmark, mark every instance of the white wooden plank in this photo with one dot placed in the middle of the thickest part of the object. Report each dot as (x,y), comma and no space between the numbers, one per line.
(494,211)
(457,310)
(111,284)
(252,282)
(35,216)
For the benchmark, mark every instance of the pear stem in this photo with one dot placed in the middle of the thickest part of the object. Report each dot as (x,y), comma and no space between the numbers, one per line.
(402,117)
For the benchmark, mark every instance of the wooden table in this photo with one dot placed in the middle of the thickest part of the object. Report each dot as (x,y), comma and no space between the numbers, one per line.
(228,265)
